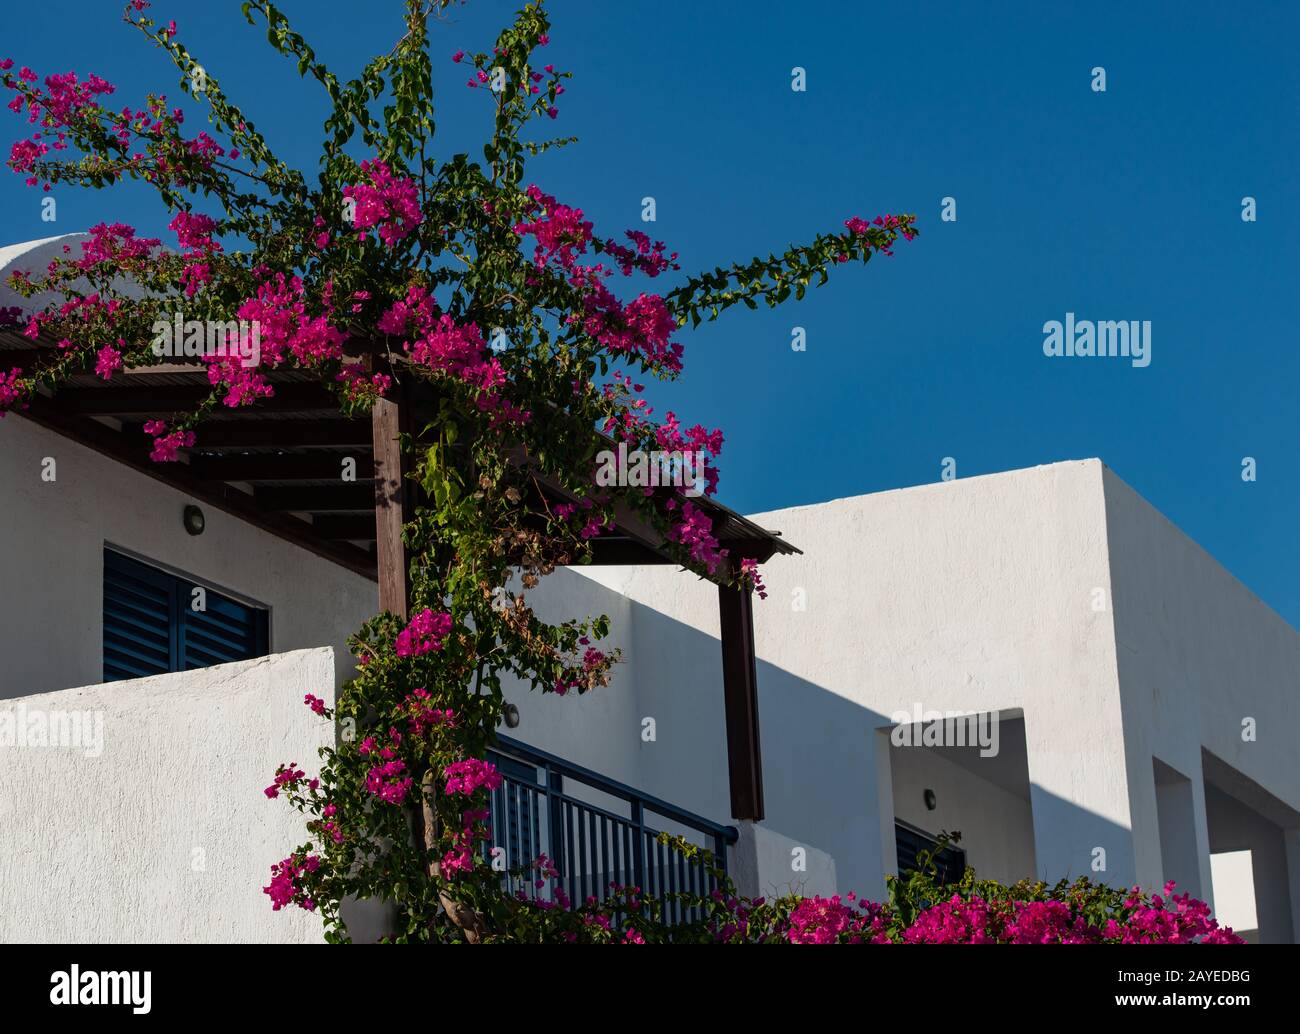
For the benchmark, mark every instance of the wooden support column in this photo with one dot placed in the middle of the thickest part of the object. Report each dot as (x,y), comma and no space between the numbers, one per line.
(393,500)
(740,693)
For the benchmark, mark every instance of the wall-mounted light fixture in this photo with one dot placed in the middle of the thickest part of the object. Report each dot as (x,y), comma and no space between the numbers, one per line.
(931,801)
(193,519)
(511,715)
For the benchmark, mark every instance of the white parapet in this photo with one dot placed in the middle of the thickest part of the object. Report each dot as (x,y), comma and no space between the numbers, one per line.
(134,811)
(766,864)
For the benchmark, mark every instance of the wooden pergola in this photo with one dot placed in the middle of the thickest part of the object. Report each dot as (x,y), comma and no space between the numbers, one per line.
(279,466)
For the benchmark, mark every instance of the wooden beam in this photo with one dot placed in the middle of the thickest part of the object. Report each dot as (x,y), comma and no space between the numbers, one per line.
(343,497)
(257,432)
(146,399)
(628,522)
(358,528)
(29,359)
(740,695)
(269,467)
(761,550)
(393,499)
(26,359)
(623,551)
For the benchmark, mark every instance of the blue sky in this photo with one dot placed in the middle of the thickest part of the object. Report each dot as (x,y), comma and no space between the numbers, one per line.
(1117,205)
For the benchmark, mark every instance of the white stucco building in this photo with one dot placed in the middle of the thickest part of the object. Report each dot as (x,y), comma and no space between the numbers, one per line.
(1146,702)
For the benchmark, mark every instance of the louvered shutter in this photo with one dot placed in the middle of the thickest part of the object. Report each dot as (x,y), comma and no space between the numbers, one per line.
(225,631)
(150,627)
(139,601)
(951,861)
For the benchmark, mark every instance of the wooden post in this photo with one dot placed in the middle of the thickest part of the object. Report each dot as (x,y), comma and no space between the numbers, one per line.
(393,507)
(740,694)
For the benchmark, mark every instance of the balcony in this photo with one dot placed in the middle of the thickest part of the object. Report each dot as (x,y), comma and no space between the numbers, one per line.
(597,832)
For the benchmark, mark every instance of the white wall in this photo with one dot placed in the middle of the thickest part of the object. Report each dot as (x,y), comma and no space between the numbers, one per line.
(166,835)
(767,864)
(1198,654)
(1056,592)
(598,729)
(52,580)
(969,595)
(1180,832)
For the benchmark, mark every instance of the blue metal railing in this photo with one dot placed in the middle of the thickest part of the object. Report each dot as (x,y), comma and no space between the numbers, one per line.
(597,831)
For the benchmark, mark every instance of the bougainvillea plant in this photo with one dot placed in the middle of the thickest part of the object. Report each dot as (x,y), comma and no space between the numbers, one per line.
(395,266)
(923,908)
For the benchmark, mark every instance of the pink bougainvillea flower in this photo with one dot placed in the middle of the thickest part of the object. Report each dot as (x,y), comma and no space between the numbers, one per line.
(468,776)
(424,634)
(384,201)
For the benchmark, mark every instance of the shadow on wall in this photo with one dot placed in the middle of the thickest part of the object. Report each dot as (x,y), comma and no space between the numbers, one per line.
(1072,841)
(1243,817)
(660,726)
(961,777)
(827,779)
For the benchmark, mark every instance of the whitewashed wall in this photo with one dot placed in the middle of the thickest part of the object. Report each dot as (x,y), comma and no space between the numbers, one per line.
(1199,654)
(970,595)
(52,598)
(1040,592)
(165,835)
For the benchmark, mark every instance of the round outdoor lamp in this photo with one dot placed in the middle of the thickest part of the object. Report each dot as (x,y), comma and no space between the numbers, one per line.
(193,519)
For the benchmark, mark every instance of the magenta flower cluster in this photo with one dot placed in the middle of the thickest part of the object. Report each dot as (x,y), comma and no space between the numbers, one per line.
(471,775)
(287,777)
(695,532)
(384,201)
(12,390)
(1167,919)
(388,782)
(819,920)
(167,444)
(422,716)
(386,779)
(424,634)
(440,344)
(286,887)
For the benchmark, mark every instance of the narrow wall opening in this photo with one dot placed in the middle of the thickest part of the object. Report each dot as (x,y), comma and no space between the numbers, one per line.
(974,781)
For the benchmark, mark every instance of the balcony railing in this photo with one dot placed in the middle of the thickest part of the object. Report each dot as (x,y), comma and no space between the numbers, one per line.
(597,831)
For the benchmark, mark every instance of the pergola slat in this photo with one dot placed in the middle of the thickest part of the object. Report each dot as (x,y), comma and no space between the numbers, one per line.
(299,467)
(343,497)
(159,399)
(355,528)
(295,434)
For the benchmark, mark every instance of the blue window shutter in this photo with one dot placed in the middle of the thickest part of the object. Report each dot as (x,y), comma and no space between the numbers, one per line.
(150,627)
(139,633)
(226,631)
(910,841)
